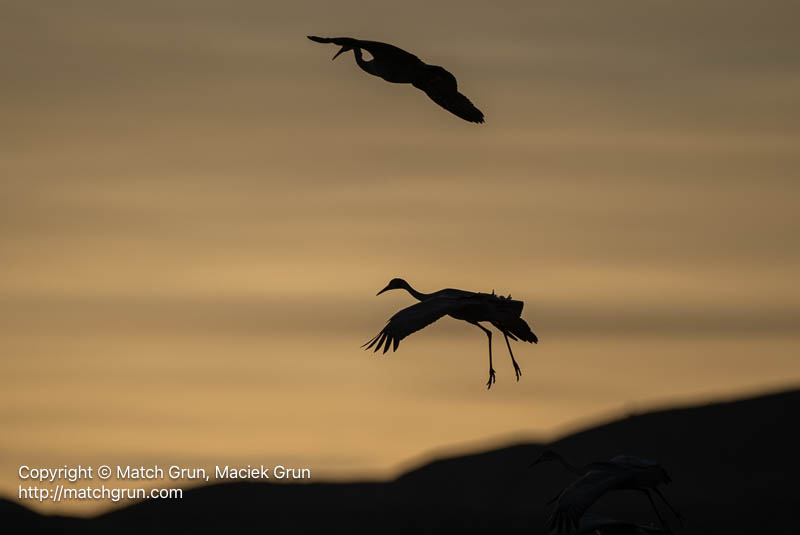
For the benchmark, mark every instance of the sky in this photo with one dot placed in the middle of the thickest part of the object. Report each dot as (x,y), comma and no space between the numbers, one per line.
(198,207)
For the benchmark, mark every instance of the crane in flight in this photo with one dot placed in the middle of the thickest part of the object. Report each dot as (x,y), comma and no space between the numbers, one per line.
(473,307)
(620,472)
(400,67)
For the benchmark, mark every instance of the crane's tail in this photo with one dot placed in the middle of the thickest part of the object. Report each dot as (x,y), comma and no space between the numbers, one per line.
(517,329)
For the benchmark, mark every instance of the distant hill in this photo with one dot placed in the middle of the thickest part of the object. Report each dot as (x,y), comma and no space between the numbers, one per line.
(735,466)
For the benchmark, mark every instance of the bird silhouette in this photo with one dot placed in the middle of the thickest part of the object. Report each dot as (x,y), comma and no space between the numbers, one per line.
(472,307)
(620,472)
(400,67)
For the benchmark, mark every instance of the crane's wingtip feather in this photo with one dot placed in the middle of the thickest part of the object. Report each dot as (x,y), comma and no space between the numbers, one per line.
(371,342)
(381,341)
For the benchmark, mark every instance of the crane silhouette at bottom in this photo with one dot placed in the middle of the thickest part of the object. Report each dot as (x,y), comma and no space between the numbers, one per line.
(620,472)
(473,307)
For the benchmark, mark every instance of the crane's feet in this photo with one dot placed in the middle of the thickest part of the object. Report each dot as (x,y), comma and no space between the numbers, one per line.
(681,519)
(491,379)
(517,371)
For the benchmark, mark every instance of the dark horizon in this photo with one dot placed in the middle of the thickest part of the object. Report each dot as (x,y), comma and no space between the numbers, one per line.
(200,207)
(496,487)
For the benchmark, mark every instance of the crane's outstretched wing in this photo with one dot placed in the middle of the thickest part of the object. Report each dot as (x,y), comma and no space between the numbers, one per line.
(411,319)
(442,88)
(341,41)
(377,49)
(578,497)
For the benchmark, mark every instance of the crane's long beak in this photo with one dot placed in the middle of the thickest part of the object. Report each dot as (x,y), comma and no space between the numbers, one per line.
(343,49)
(388,287)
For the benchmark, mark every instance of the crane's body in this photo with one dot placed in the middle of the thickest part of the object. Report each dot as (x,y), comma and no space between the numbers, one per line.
(397,66)
(620,472)
(401,67)
(473,307)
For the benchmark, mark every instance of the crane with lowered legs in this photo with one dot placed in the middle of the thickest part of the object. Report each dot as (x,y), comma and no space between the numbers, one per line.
(473,307)
(400,67)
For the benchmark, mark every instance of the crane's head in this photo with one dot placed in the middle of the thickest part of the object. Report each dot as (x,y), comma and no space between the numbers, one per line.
(395,284)
(343,49)
(547,455)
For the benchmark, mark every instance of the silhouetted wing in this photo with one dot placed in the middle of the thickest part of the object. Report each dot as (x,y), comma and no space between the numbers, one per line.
(578,497)
(341,41)
(442,88)
(377,49)
(411,319)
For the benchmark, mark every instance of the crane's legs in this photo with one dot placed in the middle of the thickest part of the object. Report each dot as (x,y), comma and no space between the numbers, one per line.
(517,371)
(674,512)
(653,503)
(491,368)
(555,498)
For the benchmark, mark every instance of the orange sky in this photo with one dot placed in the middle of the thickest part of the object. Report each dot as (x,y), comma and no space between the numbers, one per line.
(198,208)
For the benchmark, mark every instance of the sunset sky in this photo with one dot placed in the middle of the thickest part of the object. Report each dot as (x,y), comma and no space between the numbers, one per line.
(198,207)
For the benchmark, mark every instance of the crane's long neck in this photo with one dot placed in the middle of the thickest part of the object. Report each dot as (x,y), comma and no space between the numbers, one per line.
(419,296)
(368,66)
(568,465)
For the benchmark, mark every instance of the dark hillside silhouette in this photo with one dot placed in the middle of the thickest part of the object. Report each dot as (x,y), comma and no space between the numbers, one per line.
(734,467)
